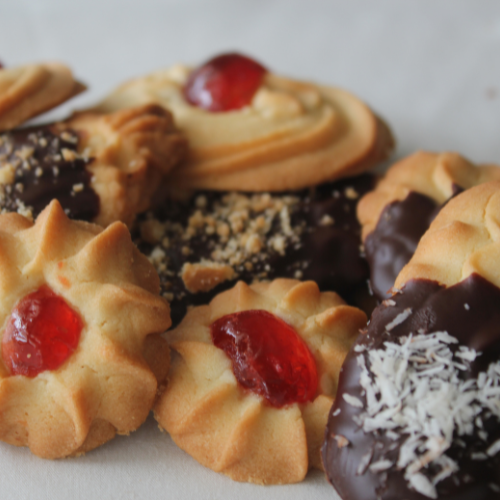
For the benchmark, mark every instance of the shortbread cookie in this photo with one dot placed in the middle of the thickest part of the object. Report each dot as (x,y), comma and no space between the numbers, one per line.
(265,132)
(398,212)
(203,245)
(81,355)
(101,168)
(27,91)
(417,415)
(255,376)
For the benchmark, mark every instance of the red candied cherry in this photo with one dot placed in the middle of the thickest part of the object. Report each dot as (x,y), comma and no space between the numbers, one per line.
(268,356)
(42,332)
(224,83)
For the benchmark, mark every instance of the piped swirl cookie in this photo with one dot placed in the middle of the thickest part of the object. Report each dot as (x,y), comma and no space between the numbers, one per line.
(249,128)
(101,168)
(398,212)
(81,357)
(417,414)
(254,376)
(27,91)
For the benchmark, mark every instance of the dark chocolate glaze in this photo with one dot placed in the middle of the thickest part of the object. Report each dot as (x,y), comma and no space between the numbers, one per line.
(395,238)
(327,254)
(43,171)
(434,308)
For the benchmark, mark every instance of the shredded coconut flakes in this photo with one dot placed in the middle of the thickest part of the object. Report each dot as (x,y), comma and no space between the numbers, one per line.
(414,391)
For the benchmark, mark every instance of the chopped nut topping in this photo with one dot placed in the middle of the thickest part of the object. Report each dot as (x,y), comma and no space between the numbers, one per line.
(25,152)
(239,231)
(28,171)
(69,155)
(351,193)
(326,220)
(68,137)
(7,174)
(204,275)
(201,201)
(152,231)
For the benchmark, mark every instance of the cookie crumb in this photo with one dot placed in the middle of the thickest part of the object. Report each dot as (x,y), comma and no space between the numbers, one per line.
(205,275)
(351,194)
(326,220)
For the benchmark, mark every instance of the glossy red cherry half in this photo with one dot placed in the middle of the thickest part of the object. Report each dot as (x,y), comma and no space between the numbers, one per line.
(224,83)
(268,356)
(42,332)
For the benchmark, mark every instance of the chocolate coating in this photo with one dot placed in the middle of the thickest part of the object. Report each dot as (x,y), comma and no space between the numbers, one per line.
(328,253)
(434,308)
(46,166)
(395,238)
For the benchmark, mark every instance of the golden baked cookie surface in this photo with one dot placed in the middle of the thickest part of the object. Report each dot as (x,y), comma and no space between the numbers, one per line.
(131,150)
(463,239)
(231,430)
(431,174)
(27,91)
(106,385)
(293,134)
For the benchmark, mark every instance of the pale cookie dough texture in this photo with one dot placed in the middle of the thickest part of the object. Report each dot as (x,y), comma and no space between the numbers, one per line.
(293,135)
(27,91)
(463,239)
(431,174)
(130,152)
(109,383)
(236,432)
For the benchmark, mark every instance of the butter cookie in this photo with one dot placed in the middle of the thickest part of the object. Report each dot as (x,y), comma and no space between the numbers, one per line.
(81,352)
(27,91)
(249,128)
(253,377)
(417,414)
(397,213)
(101,168)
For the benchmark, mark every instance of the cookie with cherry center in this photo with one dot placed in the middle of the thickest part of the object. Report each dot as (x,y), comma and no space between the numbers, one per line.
(253,377)
(251,129)
(81,345)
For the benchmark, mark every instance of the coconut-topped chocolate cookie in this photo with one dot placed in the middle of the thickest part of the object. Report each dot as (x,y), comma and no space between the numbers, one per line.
(417,414)
(201,246)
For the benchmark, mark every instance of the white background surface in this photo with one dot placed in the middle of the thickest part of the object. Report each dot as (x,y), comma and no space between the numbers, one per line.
(430,68)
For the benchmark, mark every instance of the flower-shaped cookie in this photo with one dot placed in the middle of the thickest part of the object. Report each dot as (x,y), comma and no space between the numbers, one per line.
(81,355)
(397,213)
(290,135)
(234,430)
(101,168)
